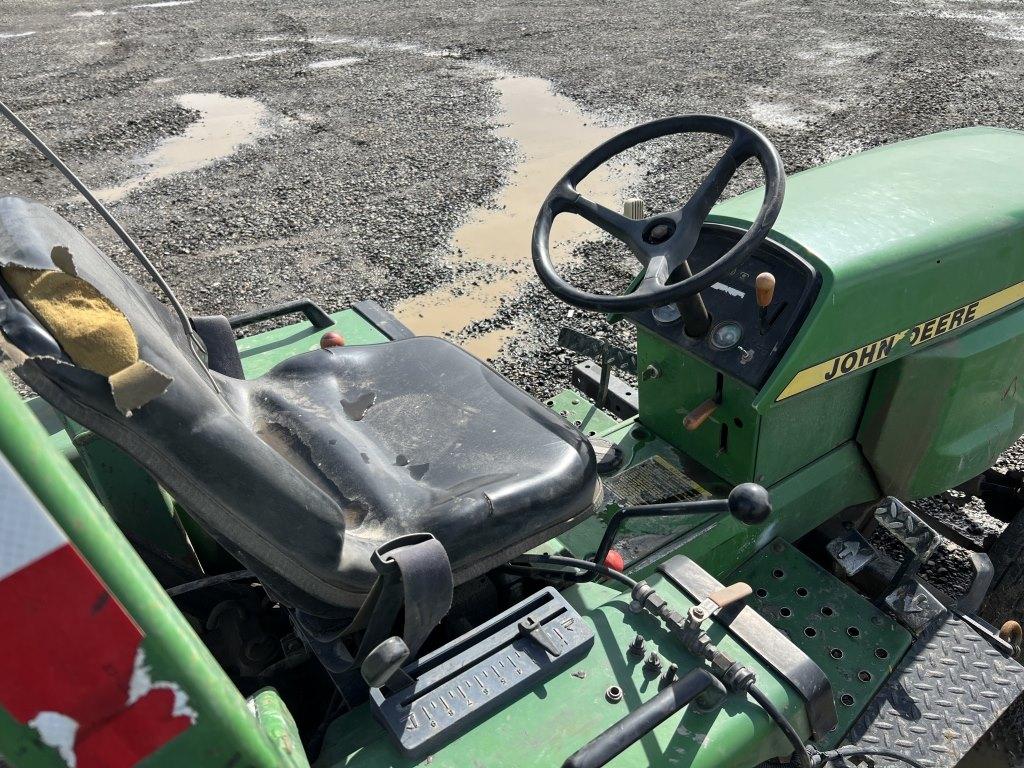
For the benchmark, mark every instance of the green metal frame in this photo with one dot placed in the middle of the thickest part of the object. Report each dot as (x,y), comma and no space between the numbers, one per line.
(226,733)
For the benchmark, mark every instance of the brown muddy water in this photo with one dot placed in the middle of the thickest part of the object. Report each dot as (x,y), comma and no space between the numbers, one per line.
(550,133)
(225,124)
(491,250)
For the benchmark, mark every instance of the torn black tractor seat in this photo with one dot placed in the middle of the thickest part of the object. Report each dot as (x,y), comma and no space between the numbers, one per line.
(302,473)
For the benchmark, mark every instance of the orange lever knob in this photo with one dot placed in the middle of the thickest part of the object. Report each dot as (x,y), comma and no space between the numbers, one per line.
(700,414)
(764,287)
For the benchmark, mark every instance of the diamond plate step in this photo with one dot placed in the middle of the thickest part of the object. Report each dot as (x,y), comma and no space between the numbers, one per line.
(950,688)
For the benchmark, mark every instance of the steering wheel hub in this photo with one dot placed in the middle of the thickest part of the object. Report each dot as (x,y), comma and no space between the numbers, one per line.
(659,231)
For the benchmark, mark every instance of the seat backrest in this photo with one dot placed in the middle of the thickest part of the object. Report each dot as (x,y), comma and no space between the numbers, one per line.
(102,350)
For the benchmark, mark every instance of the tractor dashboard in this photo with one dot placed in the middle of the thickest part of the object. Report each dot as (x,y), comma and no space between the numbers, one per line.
(743,342)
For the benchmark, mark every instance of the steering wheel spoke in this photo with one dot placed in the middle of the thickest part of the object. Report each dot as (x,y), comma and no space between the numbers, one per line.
(656,274)
(623,228)
(714,184)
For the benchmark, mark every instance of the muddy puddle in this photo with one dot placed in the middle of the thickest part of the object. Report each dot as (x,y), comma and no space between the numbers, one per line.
(550,133)
(225,124)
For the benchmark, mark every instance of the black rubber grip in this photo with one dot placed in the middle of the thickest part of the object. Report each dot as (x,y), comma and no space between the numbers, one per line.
(641,720)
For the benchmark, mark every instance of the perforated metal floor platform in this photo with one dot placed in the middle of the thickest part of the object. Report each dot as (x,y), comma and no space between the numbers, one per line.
(950,688)
(854,643)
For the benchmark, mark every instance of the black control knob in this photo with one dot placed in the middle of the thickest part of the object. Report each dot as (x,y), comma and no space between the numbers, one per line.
(750,503)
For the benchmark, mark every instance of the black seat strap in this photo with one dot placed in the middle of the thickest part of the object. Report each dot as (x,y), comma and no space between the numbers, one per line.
(414,582)
(414,579)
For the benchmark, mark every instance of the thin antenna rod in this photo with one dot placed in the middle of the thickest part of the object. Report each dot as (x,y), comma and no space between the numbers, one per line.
(59,164)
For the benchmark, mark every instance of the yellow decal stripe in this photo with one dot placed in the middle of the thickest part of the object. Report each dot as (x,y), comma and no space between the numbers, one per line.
(877,350)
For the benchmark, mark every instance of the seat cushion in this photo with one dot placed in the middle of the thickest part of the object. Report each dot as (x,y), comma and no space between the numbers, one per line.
(418,435)
(302,473)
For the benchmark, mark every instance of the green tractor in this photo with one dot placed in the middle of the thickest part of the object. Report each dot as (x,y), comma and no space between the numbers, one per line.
(336,544)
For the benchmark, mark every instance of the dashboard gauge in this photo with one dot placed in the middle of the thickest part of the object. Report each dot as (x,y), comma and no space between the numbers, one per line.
(726,335)
(666,314)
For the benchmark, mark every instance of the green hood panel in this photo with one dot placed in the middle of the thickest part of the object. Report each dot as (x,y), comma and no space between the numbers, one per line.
(901,234)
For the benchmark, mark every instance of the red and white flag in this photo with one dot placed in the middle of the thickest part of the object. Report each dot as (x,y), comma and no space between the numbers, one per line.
(72,665)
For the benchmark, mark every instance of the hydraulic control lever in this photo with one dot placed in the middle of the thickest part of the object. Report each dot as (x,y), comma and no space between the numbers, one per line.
(748,502)
(706,687)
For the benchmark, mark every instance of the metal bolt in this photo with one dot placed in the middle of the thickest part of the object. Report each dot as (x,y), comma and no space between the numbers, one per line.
(660,233)
(613,694)
(650,372)
(670,675)
(698,612)
(652,667)
(636,648)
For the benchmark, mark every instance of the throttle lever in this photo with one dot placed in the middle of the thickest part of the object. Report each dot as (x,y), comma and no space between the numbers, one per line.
(764,288)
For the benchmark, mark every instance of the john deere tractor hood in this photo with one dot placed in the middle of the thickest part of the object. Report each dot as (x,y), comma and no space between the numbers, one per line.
(912,241)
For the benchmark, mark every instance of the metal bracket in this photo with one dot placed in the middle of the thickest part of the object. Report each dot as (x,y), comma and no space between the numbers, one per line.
(599,349)
(607,355)
(312,311)
(621,398)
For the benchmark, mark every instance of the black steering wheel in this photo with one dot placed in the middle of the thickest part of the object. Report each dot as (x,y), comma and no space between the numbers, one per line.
(663,242)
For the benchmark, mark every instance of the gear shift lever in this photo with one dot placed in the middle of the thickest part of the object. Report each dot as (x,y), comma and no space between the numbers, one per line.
(764,287)
(748,502)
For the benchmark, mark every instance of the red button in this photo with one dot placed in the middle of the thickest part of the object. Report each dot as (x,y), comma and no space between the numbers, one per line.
(614,560)
(332,339)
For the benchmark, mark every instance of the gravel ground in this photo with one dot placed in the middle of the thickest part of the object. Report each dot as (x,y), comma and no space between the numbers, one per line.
(368,163)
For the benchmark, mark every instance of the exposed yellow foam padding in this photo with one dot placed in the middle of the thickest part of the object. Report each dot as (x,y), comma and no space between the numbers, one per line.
(92,332)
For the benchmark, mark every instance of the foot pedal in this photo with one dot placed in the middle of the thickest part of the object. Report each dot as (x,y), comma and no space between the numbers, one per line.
(918,538)
(455,687)
(950,688)
(852,553)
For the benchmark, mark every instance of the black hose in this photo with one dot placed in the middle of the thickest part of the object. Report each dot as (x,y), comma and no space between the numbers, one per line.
(802,757)
(603,748)
(853,751)
(531,561)
(209,581)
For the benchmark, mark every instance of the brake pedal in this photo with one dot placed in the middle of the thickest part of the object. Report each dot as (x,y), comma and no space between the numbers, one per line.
(852,553)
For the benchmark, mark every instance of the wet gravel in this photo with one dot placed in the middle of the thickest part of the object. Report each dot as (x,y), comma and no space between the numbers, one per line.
(369,166)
